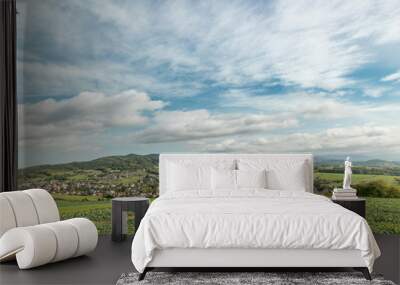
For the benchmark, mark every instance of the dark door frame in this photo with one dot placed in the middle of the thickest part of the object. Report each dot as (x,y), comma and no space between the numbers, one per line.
(8,97)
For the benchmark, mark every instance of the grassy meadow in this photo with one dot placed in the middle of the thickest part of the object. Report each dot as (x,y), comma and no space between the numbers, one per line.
(93,208)
(358,178)
(383,215)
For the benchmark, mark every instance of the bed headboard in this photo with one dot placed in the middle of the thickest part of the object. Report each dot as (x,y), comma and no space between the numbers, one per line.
(174,157)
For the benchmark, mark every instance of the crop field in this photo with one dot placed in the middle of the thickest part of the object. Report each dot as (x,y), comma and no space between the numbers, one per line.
(383,214)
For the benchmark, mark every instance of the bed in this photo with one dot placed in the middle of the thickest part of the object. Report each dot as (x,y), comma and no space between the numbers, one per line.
(247,210)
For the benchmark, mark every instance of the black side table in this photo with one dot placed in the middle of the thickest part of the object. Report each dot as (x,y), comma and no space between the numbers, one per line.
(357,205)
(120,207)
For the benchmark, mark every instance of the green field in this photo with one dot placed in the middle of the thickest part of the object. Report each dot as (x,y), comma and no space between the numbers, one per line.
(97,210)
(358,178)
(367,185)
(383,214)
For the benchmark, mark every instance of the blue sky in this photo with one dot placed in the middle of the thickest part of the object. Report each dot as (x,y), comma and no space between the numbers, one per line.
(114,77)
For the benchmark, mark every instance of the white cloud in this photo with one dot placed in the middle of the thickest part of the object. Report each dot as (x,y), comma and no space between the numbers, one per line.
(85,114)
(186,48)
(366,139)
(56,79)
(315,49)
(300,104)
(235,42)
(173,126)
(267,115)
(395,77)
(242,43)
(375,92)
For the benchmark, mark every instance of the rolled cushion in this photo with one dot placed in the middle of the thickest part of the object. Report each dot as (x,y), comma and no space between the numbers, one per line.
(26,208)
(23,208)
(37,245)
(33,246)
(7,218)
(87,233)
(46,207)
(67,240)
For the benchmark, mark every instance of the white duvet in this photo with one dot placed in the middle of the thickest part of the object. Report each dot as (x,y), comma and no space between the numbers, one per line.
(250,219)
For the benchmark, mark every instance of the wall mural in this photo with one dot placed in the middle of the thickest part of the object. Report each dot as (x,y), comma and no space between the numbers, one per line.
(110,84)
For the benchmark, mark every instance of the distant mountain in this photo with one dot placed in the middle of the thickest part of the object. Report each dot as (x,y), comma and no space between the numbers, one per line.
(379,163)
(116,162)
(135,161)
(320,160)
(372,166)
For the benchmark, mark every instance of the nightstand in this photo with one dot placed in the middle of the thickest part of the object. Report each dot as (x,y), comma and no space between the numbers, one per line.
(120,206)
(357,205)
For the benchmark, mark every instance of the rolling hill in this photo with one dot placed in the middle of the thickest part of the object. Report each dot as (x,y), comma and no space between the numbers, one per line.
(107,176)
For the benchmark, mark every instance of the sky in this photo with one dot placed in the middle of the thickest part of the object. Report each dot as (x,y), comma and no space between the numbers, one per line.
(102,77)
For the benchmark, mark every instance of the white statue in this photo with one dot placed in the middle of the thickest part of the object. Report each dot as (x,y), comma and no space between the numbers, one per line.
(347,174)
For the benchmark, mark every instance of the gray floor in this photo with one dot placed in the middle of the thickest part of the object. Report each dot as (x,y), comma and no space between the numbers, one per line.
(389,262)
(110,260)
(103,266)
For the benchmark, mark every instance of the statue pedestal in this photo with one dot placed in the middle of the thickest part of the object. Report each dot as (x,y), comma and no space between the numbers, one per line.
(340,193)
(344,190)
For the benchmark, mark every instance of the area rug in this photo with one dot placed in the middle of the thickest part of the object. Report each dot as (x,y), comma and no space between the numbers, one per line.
(273,278)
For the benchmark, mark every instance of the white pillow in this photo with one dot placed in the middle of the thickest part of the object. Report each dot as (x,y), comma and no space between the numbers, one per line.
(223,179)
(251,178)
(293,180)
(288,174)
(188,177)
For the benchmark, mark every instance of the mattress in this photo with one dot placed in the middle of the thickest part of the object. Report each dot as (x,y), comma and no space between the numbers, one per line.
(253,219)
